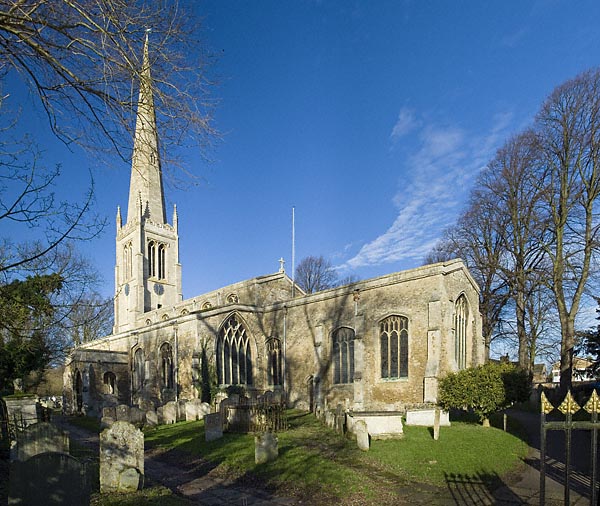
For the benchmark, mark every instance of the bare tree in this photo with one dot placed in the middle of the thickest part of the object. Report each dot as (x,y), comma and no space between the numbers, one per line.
(83,60)
(512,183)
(314,274)
(568,127)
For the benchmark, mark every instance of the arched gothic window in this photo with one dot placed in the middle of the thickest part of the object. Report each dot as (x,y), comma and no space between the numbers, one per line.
(152,259)
(127,267)
(161,261)
(234,354)
(461,315)
(138,372)
(274,370)
(166,366)
(110,383)
(343,355)
(393,335)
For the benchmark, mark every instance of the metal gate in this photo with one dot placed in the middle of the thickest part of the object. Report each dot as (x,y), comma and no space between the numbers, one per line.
(568,408)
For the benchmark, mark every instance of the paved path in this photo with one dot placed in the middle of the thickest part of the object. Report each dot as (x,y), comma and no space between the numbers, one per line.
(199,482)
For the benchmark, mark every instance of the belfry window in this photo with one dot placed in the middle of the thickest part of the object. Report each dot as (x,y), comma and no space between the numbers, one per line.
(166,366)
(393,336)
(343,355)
(234,354)
(138,372)
(274,370)
(461,314)
(157,255)
(127,267)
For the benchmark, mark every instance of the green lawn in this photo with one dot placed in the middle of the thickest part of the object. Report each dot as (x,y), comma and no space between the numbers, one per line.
(315,460)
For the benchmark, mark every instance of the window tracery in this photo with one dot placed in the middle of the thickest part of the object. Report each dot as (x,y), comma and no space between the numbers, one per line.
(393,336)
(343,355)
(234,354)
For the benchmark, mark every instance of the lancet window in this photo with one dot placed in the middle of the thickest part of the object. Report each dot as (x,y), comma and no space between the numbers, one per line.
(157,255)
(461,315)
(343,355)
(234,354)
(393,336)
(127,262)
(110,383)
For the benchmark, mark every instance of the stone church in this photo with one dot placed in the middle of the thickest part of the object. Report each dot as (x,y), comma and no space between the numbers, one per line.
(380,344)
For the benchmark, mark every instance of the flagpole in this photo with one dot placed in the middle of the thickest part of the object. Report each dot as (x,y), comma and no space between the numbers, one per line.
(293,251)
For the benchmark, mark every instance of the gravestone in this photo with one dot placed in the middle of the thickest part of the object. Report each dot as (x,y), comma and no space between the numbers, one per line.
(39,438)
(109,412)
(121,458)
(151,418)
(196,409)
(436,425)
(49,479)
(213,426)
(169,413)
(136,416)
(122,413)
(181,410)
(106,422)
(265,448)
(362,435)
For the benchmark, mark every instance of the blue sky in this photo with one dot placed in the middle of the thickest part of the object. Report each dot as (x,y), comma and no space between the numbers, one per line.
(372,118)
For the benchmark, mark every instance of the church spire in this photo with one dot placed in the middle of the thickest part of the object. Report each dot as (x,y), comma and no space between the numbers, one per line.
(146,176)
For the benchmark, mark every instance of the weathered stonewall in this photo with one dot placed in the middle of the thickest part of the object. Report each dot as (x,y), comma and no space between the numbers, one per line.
(40,438)
(265,448)
(213,426)
(121,458)
(362,435)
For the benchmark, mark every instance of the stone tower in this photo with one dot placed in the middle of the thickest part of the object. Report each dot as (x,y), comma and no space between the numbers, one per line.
(147,270)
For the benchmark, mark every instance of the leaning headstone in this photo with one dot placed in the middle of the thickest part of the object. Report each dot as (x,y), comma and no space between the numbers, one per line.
(265,448)
(213,426)
(121,458)
(362,435)
(106,422)
(436,424)
(122,413)
(151,418)
(39,438)
(49,479)
(169,412)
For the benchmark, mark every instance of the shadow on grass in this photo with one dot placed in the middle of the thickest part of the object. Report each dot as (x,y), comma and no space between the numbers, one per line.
(478,489)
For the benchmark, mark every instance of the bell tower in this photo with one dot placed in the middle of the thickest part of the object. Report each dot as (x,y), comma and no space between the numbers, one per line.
(147,270)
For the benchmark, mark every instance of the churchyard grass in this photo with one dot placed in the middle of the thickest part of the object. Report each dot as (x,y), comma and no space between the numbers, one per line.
(315,461)
(155,496)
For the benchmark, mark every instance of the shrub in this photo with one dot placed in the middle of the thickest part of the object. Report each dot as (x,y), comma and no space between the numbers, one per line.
(484,389)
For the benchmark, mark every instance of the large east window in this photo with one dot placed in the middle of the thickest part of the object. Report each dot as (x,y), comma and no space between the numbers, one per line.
(393,336)
(461,314)
(343,355)
(234,354)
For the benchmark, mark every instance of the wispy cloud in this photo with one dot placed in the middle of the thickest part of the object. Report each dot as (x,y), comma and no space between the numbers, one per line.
(406,123)
(440,172)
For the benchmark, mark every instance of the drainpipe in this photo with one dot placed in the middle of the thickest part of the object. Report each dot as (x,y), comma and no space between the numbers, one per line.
(285,310)
(176,362)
